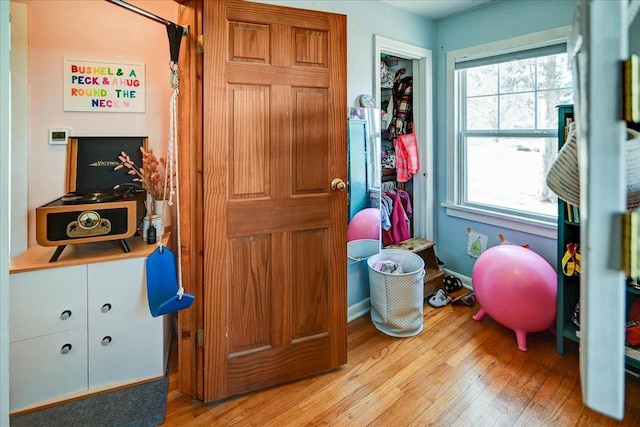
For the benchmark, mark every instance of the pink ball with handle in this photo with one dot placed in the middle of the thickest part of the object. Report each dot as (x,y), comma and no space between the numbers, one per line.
(365,224)
(518,288)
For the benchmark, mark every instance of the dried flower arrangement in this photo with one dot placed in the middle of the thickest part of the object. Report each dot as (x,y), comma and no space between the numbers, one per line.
(151,175)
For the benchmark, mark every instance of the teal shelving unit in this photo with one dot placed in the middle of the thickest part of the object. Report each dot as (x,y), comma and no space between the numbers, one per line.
(568,232)
(569,286)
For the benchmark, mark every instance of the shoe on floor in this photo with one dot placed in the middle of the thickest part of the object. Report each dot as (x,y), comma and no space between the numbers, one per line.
(439,299)
(468,299)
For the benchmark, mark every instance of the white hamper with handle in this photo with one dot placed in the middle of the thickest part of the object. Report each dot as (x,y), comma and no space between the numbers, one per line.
(397,299)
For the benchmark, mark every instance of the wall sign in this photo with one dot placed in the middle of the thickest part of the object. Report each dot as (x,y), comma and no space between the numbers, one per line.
(106,87)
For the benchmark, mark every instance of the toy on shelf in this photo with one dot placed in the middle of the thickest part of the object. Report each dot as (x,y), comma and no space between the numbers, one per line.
(517,287)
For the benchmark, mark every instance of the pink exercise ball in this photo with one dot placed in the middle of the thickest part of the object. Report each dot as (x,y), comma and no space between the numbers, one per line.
(365,224)
(517,288)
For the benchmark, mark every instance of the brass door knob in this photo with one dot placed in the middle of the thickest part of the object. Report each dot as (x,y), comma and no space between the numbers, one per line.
(338,184)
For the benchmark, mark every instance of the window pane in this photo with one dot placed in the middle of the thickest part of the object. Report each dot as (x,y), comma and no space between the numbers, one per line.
(517,76)
(482,80)
(554,72)
(510,173)
(517,111)
(548,100)
(497,170)
(482,113)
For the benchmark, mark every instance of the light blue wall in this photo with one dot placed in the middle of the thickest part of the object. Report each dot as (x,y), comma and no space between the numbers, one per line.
(365,19)
(498,21)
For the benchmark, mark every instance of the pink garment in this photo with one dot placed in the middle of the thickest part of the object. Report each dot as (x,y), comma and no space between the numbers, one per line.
(399,230)
(388,266)
(406,148)
(406,202)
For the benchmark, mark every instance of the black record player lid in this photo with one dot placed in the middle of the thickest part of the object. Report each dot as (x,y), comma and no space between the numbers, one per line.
(92,161)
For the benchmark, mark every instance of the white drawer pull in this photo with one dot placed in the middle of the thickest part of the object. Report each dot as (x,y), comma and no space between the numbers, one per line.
(65,314)
(105,308)
(66,348)
(106,340)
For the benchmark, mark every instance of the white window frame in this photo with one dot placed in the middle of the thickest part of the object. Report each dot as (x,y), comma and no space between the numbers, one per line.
(453,204)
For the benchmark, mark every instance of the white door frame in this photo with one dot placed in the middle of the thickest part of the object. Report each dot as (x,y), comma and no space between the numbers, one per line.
(597,47)
(5,137)
(423,182)
(19,127)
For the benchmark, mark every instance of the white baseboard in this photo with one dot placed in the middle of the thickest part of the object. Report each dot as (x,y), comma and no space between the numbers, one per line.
(358,309)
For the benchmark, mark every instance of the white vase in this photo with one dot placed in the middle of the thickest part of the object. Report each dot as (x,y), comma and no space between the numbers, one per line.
(162,208)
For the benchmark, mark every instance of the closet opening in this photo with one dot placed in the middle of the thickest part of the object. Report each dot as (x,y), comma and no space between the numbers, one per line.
(403,91)
(397,164)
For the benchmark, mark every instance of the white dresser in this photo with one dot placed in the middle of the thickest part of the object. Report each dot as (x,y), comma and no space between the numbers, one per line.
(82,324)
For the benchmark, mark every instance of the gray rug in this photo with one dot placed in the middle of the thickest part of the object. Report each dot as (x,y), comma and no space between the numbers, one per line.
(141,405)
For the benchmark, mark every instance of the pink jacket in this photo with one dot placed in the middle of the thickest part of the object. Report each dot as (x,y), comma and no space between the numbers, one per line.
(399,230)
(406,148)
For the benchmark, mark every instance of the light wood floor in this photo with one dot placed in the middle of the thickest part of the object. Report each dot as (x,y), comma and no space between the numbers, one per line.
(457,371)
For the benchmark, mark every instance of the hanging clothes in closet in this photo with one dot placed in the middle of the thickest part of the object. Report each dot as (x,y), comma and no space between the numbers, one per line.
(402,94)
(399,150)
(406,149)
(401,130)
(395,214)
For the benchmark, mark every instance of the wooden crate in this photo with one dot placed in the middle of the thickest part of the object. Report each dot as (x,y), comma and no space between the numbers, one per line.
(426,250)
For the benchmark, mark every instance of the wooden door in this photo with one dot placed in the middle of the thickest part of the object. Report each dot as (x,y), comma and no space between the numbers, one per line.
(274,231)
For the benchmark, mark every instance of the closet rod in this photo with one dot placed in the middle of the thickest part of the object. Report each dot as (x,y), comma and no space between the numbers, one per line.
(185,29)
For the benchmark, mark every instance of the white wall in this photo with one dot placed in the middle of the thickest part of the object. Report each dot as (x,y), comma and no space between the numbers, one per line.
(19,125)
(93,30)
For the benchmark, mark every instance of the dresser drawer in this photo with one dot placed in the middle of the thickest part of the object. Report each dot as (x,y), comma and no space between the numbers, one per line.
(125,351)
(48,367)
(47,301)
(117,291)
(97,295)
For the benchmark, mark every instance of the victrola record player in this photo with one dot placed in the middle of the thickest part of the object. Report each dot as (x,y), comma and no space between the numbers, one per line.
(101,203)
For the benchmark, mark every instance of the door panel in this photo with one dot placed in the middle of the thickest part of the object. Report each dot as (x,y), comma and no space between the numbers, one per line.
(310,261)
(249,42)
(311,133)
(250,319)
(249,153)
(275,232)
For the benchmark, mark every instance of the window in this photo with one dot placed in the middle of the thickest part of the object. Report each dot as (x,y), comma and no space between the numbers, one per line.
(504,132)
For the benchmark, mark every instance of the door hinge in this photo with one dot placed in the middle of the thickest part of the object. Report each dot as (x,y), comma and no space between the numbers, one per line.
(200,337)
(630,244)
(200,43)
(631,90)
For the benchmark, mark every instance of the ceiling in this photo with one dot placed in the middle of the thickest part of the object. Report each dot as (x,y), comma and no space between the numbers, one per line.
(437,9)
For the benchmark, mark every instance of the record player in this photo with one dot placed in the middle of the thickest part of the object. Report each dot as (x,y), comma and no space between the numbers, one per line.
(101,203)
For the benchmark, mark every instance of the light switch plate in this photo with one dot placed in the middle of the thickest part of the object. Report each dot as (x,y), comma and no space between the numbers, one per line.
(59,136)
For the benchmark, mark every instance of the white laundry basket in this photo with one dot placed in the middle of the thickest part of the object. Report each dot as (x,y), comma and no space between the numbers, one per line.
(360,249)
(397,299)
